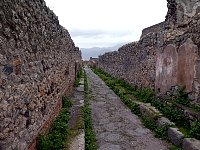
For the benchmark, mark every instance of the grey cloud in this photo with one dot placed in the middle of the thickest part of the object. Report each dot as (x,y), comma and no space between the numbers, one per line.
(99,33)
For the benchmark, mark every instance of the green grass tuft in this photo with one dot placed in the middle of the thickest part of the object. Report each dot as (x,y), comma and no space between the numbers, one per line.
(57,135)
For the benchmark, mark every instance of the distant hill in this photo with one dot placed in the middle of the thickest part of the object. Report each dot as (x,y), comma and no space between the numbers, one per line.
(96,51)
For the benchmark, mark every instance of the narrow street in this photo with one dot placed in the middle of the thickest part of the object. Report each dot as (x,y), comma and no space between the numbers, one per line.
(115,126)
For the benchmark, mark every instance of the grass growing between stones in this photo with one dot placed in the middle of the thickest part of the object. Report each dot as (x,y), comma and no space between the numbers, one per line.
(75,131)
(78,77)
(123,93)
(174,147)
(130,95)
(181,98)
(57,135)
(160,132)
(78,127)
(90,139)
(146,95)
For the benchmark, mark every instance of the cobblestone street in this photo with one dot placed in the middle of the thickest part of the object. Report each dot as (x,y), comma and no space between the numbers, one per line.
(115,126)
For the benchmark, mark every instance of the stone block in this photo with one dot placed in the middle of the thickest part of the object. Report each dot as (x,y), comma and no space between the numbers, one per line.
(191,144)
(80,88)
(162,121)
(175,136)
(149,111)
(81,81)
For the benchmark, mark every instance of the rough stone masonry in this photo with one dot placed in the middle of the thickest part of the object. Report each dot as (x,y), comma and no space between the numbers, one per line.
(38,63)
(167,54)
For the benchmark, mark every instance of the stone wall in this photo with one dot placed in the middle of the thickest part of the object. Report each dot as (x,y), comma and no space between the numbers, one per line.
(166,55)
(38,63)
(177,61)
(153,29)
(134,62)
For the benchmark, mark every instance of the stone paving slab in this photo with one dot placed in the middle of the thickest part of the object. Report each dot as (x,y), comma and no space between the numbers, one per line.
(81,81)
(77,142)
(115,126)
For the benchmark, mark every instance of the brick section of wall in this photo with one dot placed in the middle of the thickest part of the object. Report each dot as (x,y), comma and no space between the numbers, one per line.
(38,63)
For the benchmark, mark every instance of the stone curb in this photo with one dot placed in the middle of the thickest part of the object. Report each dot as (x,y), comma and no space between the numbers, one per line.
(175,136)
(81,81)
(148,111)
(162,121)
(191,144)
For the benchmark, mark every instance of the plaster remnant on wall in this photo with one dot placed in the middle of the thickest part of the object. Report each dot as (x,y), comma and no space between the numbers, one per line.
(159,64)
(187,54)
(168,62)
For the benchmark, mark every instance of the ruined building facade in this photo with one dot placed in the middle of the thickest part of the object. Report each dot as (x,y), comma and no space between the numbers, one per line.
(38,63)
(167,54)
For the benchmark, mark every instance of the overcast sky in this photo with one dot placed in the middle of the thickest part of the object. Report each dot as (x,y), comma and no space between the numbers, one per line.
(104,23)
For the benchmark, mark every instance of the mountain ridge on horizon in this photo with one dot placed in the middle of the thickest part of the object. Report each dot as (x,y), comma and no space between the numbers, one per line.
(96,51)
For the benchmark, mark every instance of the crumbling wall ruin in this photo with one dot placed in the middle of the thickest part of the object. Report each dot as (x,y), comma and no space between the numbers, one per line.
(166,55)
(132,62)
(38,63)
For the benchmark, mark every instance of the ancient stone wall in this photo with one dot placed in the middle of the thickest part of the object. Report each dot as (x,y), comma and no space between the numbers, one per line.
(38,63)
(177,61)
(134,62)
(166,55)
(153,29)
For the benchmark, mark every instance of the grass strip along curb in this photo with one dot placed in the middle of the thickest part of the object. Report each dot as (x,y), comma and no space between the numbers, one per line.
(90,139)
(57,135)
(77,127)
(124,91)
(78,77)
(134,107)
